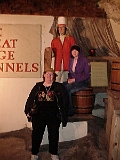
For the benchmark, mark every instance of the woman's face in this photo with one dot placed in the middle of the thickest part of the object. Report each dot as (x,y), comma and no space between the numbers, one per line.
(49,76)
(75,53)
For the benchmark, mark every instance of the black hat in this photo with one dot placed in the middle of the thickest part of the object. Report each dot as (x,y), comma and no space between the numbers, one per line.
(76,47)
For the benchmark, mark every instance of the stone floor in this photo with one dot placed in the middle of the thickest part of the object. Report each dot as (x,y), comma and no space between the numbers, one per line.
(17,144)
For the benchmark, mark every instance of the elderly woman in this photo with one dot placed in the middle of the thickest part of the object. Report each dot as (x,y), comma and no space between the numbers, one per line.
(79,74)
(50,109)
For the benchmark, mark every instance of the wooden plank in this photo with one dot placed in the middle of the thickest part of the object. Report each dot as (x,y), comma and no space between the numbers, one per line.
(80,117)
(109,115)
(100,89)
(114,146)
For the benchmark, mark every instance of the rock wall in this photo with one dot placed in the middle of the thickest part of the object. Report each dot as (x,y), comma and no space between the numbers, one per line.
(112,9)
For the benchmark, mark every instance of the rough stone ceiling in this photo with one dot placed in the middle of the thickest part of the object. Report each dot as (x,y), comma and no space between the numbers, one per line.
(86,8)
(112,9)
(71,8)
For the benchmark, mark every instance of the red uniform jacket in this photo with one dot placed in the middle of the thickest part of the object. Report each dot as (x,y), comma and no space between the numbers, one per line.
(62,51)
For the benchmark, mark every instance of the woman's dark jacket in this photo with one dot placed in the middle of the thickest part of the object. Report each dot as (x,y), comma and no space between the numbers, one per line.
(61,96)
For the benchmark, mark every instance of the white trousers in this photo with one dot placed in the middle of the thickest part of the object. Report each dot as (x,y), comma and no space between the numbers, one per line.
(62,76)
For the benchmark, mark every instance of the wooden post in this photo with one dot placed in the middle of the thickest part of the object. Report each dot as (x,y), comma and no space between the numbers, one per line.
(113,125)
(109,115)
(47,58)
(114,145)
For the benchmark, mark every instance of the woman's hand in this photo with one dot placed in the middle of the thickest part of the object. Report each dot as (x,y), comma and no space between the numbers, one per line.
(29,118)
(71,80)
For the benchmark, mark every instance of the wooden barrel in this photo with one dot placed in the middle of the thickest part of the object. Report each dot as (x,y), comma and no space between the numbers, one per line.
(115,76)
(83,101)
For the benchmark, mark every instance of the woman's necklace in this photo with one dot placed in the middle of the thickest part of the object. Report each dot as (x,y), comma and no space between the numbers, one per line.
(47,88)
(47,94)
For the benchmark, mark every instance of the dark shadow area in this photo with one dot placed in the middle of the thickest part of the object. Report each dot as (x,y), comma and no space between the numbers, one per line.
(17,144)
